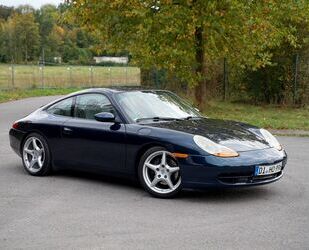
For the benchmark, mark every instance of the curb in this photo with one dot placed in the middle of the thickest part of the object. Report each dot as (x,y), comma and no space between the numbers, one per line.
(289,132)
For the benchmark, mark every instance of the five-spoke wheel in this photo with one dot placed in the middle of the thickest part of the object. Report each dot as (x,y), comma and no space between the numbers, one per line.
(35,155)
(159,173)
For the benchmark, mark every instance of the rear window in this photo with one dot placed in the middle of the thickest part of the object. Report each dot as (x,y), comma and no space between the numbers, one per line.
(63,108)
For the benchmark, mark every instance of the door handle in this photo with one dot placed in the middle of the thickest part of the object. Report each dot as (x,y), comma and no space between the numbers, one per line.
(67,131)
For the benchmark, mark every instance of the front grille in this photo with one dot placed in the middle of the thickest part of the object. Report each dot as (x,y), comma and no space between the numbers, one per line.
(245,178)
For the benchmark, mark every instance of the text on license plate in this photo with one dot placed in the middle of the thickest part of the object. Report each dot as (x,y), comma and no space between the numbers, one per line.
(270,169)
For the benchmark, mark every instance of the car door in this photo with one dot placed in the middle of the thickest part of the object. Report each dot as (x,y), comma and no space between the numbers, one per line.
(91,144)
(51,128)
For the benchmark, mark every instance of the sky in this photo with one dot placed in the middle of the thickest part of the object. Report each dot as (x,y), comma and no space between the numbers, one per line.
(35,3)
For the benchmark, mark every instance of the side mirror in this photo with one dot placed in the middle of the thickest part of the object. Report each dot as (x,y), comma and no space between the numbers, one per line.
(105,117)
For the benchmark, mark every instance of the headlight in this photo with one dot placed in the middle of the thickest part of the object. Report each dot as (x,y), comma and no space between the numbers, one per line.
(272,141)
(213,148)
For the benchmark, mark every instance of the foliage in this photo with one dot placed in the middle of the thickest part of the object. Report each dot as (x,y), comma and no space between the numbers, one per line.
(184,41)
(275,83)
(27,34)
(183,36)
(5,12)
(19,37)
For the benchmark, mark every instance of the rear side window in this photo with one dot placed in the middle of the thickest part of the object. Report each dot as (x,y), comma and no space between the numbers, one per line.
(63,108)
(88,105)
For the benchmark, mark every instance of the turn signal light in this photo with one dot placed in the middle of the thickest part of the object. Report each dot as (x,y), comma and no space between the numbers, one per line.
(180,155)
(226,154)
(15,125)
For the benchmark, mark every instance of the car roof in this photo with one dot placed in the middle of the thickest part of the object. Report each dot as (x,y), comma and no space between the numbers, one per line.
(113,90)
(106,91)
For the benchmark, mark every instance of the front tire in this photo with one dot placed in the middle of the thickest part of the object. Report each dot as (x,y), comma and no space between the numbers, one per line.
(159,173)
(36,155)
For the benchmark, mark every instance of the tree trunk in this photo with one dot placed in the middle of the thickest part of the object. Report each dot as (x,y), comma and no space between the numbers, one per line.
(200,88)
(145,77)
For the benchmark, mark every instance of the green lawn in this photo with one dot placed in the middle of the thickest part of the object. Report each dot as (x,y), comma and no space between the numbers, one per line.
(30,76)
(263,116)
(11,95)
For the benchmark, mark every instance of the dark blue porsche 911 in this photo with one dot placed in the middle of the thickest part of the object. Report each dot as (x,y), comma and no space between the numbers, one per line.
(150,135)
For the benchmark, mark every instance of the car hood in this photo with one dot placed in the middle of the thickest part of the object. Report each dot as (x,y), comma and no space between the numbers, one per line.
(235,135)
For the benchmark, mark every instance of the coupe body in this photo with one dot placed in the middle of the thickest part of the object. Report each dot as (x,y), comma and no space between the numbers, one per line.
(152,136)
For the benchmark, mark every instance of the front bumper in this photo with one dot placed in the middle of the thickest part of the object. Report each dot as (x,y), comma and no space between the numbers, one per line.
(200,172)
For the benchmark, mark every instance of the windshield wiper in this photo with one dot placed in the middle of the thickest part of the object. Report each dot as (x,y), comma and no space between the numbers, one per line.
(193,117)
(157,118)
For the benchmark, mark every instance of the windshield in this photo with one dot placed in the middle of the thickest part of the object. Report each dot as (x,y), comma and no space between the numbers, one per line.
(143,105)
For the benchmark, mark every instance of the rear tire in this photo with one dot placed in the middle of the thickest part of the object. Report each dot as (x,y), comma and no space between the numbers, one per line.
(159,173)
(36,155)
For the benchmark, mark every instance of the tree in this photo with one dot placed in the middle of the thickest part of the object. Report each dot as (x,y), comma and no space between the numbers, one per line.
(46,17)
(25,33)
(25,9)
(183,36)
(275,83)
(5,12)
(20,37)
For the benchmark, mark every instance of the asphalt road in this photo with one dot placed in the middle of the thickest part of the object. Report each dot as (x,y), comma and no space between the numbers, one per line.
(78,211)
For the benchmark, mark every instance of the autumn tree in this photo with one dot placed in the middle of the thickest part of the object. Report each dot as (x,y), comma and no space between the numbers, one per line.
(182,36)
(275,82)
(26,34)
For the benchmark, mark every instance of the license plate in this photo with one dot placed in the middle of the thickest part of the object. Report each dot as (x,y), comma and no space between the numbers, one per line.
(269,169)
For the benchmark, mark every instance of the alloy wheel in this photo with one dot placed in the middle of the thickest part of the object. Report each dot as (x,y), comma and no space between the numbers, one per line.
(33,154)
(161,172)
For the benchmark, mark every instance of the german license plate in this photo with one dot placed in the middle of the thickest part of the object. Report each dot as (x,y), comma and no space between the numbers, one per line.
(268,169)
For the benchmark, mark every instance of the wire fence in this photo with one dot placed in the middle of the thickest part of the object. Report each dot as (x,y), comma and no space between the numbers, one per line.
(286,81)
(40,76)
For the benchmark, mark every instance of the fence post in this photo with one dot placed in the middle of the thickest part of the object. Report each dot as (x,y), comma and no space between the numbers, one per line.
(33,75)
(110,76)
(126,75)
(296,60)
(13,75)
(70,76)
(91,75)
(42,67)
(225,78)
(42,75)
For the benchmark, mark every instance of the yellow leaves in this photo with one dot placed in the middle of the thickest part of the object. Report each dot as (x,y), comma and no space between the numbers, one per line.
(59,30)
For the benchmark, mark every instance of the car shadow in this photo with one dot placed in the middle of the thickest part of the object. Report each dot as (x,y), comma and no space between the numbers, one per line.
(215,195)
(98,178)
(224,195)
(209,195)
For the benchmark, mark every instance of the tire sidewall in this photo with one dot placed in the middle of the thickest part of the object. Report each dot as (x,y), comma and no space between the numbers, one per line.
(46,169)
(141,177)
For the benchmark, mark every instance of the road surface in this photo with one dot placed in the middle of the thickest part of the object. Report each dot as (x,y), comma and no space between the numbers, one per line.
(78,211)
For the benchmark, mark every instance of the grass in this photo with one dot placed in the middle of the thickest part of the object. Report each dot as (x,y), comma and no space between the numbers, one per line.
(31,76)
(17,94)
(262,116)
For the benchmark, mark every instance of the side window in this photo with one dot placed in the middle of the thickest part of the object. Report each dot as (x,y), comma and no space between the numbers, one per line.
(63,108)
(88,105)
